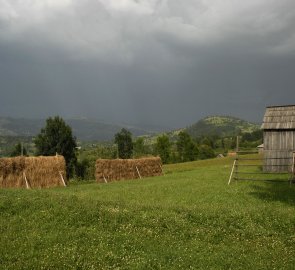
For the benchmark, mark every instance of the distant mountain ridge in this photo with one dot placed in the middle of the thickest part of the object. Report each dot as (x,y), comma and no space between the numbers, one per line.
(222,126)
(93,130)
(84,129)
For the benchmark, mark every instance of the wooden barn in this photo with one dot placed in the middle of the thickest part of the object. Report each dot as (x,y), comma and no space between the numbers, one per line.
(279,138)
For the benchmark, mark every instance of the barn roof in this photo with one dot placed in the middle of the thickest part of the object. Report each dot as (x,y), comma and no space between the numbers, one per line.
(279,117)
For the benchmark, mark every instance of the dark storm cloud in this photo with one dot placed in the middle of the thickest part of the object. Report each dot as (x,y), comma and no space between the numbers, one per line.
(152,62)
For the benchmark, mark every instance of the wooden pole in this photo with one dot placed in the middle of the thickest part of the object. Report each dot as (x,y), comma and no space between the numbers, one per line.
(105,180)
(62,179)
(232,171)
(26,181)
(138,172)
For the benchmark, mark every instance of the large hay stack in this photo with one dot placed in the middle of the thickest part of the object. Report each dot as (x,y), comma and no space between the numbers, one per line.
(32,172)
(118,169)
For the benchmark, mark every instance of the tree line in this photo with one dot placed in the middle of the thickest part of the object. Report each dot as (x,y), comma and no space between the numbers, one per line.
(57,138)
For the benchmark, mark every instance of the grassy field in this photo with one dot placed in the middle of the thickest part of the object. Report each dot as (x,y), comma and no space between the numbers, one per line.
(187,219)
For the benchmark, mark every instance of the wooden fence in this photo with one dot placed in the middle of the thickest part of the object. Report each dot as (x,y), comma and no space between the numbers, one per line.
(261,167)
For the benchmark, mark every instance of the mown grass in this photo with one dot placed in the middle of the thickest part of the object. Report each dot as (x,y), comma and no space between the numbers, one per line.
(187,219)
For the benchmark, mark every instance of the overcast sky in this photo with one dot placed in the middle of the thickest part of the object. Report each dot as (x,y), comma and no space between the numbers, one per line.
(156,62)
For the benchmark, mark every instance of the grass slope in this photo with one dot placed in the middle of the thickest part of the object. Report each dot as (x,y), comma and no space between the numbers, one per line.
(187,219)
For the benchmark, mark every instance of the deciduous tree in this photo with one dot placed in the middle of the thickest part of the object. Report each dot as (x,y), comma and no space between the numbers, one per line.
(57,138)
(186,148)
(205,151)
(163,148)
(139,148)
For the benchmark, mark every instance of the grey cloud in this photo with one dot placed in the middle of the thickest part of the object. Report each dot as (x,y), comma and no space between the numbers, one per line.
(154,62)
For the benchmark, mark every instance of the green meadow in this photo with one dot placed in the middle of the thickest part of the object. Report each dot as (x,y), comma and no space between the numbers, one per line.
(189,218)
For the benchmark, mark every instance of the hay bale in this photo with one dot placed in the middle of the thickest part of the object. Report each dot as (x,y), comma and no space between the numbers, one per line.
(45,171)
(119,169)
(40,171)
(11,172)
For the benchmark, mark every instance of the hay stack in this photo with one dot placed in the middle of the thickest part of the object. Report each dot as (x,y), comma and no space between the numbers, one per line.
(11,172)
(118,169)
(39,172)
(45,171)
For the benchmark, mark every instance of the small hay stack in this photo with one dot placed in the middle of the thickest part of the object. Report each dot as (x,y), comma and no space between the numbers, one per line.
(34,172)
(119,169)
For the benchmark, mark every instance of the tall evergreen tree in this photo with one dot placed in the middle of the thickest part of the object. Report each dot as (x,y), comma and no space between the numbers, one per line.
(124,141)
(56,138)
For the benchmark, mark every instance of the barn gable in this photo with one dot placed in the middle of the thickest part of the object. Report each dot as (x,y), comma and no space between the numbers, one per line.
(279,117)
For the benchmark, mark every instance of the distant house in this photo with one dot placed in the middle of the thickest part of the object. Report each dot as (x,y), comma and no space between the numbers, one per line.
(231,154)
(260,148)
(279,138)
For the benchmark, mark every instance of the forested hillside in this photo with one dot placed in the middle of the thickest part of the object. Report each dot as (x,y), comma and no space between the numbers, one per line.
(221,126)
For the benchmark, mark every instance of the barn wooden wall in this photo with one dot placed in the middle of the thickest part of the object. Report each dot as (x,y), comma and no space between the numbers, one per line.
(278,150)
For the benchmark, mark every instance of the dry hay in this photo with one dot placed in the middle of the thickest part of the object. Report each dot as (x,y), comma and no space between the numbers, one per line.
(118,169)
(11,172)
(39,172)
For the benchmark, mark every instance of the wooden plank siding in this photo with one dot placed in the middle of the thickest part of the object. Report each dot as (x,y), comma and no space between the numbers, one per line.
(277,161)
(279,138)
(278,150)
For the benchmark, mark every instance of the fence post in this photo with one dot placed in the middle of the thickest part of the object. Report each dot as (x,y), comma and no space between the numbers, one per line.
(237,150)
(293,169)
(232,171)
